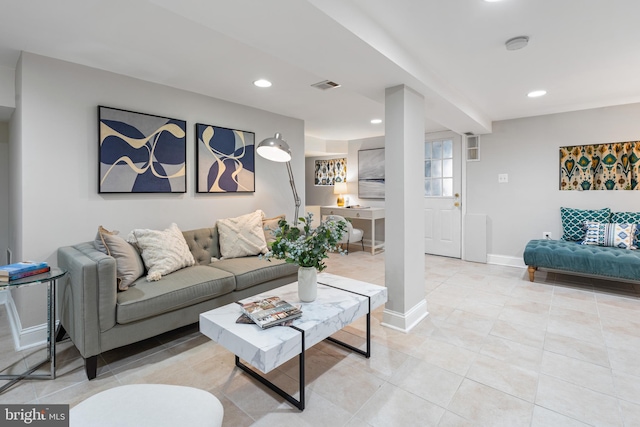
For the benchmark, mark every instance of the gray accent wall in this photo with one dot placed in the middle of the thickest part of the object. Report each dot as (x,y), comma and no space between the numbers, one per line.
(318,195)
(54,143)
(527,150)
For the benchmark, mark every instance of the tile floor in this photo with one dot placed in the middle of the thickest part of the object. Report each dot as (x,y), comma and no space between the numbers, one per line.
(495,350)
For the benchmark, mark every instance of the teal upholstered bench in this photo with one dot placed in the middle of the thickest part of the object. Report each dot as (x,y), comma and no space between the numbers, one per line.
(590,260)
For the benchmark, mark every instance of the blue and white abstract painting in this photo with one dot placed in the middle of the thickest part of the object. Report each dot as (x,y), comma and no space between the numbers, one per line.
(226,160)
(141,153)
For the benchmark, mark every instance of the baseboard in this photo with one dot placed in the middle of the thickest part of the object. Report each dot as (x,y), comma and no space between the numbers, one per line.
(404,322)
(509,261)
(24,338)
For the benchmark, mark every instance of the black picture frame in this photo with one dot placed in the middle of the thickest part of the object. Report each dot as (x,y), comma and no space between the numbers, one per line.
(140,153)
(225,160)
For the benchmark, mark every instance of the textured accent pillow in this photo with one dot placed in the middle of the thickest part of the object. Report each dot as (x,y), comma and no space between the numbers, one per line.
(163,252)
(628,218)
(573,221)
(610,234)
(242,236)
(269,225)
(129,266)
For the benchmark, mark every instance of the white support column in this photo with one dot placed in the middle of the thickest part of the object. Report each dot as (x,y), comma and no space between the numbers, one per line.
(404,208)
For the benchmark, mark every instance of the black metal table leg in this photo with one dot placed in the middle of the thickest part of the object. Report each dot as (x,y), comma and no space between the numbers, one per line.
(366,353)
(297,403)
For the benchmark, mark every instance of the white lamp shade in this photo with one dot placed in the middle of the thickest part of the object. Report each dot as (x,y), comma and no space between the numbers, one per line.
(340,188)
(275,149)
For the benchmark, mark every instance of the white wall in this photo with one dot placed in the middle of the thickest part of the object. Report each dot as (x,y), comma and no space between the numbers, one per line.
(59,154)
(527,150)
(7,87)
(4,190)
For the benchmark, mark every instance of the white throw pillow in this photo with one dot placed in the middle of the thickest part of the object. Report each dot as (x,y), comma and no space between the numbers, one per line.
(163,252)
(242,236)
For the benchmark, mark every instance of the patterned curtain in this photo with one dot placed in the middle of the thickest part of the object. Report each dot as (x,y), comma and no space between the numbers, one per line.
(614,166)
(328,172)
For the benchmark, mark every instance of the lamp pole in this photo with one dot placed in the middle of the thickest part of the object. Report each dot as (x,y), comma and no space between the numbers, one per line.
(277,150)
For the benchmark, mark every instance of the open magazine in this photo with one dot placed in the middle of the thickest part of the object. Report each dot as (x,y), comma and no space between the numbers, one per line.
(269,311)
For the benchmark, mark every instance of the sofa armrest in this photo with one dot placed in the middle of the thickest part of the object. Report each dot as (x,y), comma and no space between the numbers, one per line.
(87,295)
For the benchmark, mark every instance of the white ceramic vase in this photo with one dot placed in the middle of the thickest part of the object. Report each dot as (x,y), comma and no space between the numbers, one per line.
(307,283)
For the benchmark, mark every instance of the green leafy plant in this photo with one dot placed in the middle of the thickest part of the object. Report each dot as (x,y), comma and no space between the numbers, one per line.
(305,245)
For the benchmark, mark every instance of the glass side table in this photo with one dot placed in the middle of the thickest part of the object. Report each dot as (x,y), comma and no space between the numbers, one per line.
(50,278)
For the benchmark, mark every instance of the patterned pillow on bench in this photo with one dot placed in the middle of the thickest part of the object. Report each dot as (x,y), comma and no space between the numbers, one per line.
(610,234)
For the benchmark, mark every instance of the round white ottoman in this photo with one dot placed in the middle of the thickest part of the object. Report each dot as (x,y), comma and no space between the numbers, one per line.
(141,405)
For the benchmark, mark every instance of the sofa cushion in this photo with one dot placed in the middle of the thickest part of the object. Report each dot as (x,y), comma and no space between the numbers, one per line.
(163,252)
(250,271)
(242,236)
(179,289)
(129,265)
(203,244)
(610,234)
(573,221)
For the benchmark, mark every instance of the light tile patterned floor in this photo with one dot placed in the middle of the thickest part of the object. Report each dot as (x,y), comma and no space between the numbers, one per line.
(496,350)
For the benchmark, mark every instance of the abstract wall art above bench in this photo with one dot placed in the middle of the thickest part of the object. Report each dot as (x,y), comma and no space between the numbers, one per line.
(614,166)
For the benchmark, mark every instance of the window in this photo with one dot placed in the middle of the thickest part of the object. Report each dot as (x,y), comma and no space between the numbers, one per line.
(438,168)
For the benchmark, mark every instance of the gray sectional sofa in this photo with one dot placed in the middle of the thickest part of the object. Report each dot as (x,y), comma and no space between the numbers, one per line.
(98,318)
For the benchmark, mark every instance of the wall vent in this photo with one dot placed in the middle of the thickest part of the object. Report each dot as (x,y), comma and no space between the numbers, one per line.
(473,148)
(326,84)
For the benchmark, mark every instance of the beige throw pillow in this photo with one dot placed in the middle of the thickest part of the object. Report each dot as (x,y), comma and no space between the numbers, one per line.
(242,236)
(128,262)
(269,225)
(163,252)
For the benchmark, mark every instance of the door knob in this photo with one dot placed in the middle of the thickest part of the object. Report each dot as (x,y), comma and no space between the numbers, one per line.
(456,204)
(457,195)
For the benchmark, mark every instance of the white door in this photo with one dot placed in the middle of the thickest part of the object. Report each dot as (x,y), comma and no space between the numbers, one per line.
(442,202)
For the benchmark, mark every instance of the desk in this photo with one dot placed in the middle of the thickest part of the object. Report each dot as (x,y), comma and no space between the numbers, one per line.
(50,279)
(367,214)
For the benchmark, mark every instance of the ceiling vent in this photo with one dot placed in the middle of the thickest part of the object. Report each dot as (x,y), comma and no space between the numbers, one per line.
(326,84)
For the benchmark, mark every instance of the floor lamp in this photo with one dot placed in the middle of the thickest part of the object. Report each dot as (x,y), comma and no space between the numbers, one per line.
(277,150)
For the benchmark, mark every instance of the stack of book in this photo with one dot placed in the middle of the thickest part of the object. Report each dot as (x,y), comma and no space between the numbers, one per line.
(21,270)
(270,311)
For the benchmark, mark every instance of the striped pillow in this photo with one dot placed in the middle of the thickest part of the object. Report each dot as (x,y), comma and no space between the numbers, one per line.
(610,234)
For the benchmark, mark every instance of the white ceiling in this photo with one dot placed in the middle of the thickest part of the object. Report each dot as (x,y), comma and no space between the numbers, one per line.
(585,53)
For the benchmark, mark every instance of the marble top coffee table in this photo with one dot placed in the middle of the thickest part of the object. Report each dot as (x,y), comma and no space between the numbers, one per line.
(340,301)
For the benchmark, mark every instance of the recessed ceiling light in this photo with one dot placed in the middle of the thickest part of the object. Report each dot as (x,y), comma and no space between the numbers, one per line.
(376,121)
(536,93)
(262,83)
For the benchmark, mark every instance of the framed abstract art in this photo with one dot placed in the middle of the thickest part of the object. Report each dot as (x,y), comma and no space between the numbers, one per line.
(609,166)
(225,160)
(371,175)
(141,153)
(328,172)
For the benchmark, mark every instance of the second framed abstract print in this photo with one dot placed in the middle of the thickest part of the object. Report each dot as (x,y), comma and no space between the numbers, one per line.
(225,160)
